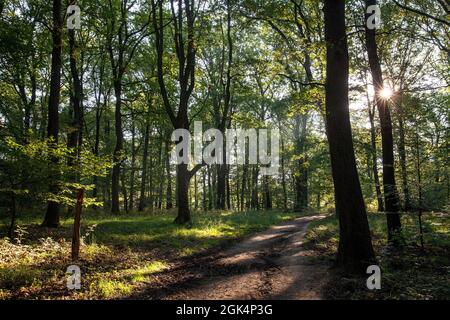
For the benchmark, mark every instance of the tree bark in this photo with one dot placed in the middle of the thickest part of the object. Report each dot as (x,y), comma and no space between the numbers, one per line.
(184,214)
(52,215)
(204,203)
(169,202)
(301,176)
(183,19)
(355,250)
(133,163)
(391,200)
(144,166)
(124,191)
(75,135)
(402,157)
(283,176)
(12,225)
(77,226)
(374,159)
(223,120)
(98,118)
(117,158)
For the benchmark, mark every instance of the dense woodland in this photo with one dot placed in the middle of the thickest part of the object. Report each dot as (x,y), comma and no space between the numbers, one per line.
(363,113)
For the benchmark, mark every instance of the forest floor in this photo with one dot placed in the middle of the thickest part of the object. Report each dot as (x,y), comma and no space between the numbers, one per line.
(224,255)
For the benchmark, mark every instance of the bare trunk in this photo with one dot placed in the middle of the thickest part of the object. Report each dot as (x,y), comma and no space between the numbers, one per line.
(283,176)
(391,199)
(184,214)
(144,167)
(402,153)
(169,203)
(355,250)
(77,226)
(374,161)
(124,191)
(52,215)
(133,164)
(115,189)
(301,174)
(12,225)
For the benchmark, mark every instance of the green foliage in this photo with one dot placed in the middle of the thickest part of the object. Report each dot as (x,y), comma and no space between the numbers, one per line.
(28,168)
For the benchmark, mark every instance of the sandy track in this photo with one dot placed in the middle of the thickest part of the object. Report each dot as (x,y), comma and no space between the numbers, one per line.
(268,265)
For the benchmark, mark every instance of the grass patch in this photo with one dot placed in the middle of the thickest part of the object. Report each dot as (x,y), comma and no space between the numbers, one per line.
(119,253)
(141,274)
(109,289)
(14,278)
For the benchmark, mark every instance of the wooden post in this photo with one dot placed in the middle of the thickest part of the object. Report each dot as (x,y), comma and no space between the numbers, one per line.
(77,225)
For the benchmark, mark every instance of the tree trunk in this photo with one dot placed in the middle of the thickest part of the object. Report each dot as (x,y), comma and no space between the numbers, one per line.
(374,159)
(419,184)
(161,176)
(124,191)
(228,188)
(169,203)
(150,182)
(12,225)
(301,176)
(244,184)
(391,200)
(98,118)
(52,215)
(75,135)
(115,189)
(402,153)
(221,184)
(144,167)
(184,214)
(182,19)
(355,250)
(210,190)
(195,192)
(77,226)
(204,203)
(283,176)
(133,164)
(255,198)
(267,195)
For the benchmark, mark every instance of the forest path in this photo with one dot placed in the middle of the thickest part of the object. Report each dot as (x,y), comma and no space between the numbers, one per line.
(268,265)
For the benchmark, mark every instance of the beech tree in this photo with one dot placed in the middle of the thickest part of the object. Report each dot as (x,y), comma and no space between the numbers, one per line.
(355,250)
(52,215)
(182,20)
(391,199)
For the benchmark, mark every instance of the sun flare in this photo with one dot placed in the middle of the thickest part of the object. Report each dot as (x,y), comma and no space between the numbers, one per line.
(386,93)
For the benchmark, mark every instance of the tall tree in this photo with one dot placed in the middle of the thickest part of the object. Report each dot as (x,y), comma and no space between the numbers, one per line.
(391,199)
(144,159)
(183,20)
(122,43)
(52,214)
(75,134)
(355,250)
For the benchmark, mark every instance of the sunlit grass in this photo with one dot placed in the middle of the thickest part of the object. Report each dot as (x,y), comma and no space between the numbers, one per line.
(119,253)
(141,274)
(111,288)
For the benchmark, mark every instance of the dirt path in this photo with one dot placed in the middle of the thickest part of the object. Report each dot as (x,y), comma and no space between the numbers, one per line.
(268,265)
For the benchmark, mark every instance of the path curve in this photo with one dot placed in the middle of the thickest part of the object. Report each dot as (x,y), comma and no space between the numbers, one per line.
(268,265)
